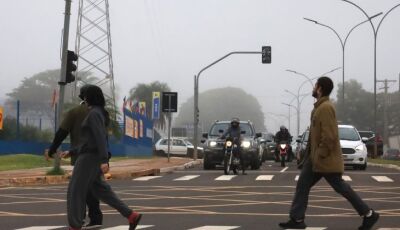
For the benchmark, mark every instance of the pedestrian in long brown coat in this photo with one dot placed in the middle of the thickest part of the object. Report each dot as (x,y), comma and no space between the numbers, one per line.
(323,159)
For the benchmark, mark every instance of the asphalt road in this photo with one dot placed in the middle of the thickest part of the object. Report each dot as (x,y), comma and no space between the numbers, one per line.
(204,200)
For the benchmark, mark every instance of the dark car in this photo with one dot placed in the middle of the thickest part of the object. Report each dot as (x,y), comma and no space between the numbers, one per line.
(391,154)
(370,142)
(267,146)
(213,145)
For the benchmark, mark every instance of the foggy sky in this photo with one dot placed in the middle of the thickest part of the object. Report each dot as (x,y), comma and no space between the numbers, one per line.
(171,40)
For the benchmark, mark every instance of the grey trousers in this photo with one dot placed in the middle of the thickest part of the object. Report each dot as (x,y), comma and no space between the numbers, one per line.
(308,179)
(87,176)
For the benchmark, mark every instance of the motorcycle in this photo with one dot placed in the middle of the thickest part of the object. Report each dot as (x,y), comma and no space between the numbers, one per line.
(283,152)
(231,156)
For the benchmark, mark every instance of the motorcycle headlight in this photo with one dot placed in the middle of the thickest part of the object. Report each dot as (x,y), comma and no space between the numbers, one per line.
(246,144)
(283,146)
(228,143)
(212,143)
(360,148)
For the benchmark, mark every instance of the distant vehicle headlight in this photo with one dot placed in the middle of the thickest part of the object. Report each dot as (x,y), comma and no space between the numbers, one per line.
(212,144)
(246,144)
(360,148)
(228,143)
(283,146)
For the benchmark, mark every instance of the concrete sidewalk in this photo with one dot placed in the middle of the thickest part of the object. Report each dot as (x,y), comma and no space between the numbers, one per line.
(123,169)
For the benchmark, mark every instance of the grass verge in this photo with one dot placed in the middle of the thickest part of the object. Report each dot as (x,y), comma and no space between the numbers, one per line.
(23,161)
(383,161)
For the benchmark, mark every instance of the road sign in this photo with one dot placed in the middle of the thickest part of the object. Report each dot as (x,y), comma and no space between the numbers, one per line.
(266,55)
(1,118)
(170,102)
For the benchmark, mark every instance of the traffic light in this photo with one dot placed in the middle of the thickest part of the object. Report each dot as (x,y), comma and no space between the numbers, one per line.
(266,54)
(71,67)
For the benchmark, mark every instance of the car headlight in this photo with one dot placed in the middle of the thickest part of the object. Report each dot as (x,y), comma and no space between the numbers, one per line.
(360,148)
(228,143)
(246,144)
(212,143)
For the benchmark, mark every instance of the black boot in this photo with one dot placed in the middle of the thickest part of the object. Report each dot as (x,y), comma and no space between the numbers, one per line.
(368,222)
(292,224)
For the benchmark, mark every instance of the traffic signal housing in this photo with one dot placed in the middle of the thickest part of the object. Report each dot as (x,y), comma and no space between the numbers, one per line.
(266,55)
(71,67)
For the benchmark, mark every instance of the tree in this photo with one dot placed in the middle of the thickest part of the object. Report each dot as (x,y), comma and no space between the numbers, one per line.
(222,104)
(144,92)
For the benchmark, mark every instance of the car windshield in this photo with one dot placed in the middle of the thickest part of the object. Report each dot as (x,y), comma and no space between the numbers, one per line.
(366,134)
(224,126)
(348,134)
(188,142)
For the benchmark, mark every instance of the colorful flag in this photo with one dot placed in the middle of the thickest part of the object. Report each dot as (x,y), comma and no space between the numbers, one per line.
(142,108)
(155,113)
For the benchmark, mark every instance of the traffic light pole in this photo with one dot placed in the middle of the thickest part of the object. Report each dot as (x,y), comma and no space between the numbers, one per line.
(196,98)
(63,73)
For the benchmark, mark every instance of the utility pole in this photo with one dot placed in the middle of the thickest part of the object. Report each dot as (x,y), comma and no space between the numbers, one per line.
(385,118)
(62,81)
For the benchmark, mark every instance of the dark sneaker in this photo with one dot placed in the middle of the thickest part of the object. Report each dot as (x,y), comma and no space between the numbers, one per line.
(292,224)
(92,225)
(134,220)
(368,222)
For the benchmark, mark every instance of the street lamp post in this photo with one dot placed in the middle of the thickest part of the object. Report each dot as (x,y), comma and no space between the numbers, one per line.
(342,42)
(310,80)
(298,106)
(196,97)
(297,111)
(375,31)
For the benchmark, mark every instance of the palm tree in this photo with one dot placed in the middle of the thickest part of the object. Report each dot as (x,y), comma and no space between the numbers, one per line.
(144,92)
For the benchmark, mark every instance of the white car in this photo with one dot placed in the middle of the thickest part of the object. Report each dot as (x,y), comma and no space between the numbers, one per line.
(179,146)
(353,148)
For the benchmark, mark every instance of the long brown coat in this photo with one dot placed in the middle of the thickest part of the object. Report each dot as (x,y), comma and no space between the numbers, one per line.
(324,145)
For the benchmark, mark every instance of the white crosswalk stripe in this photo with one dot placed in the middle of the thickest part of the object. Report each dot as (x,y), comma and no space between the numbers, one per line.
(225,177)
(210,227)
(41,228)
(146,178)
(382,179)
(265,177)
(124,227)
(388,229)
(346,178)
(185,178)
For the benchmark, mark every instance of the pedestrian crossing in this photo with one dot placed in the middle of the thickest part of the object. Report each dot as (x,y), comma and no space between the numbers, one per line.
(379,179)
(153,227)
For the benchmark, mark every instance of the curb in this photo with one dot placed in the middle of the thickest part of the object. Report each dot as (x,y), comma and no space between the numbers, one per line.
(53,180)
(388,166)
(190,164)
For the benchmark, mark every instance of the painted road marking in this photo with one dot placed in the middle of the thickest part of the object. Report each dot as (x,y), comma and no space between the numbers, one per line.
(41,228)
(124,227)
(265,177)
(346,178)
(382,179)
(388,229)
(210,227)
(188,177)
(296,178)
(146,178)
(283,170)
(225,177)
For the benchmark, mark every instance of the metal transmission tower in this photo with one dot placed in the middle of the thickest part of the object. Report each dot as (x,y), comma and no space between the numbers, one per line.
(93,46)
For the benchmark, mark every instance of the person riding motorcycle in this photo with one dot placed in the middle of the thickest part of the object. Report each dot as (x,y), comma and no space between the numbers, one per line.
(234,132)
(283,135)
